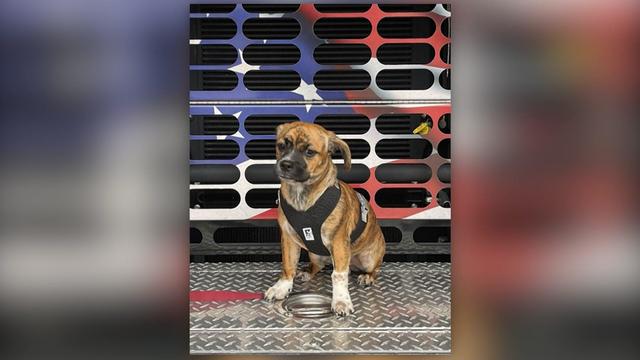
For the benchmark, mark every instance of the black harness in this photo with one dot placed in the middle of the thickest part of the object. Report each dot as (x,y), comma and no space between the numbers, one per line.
(307,224)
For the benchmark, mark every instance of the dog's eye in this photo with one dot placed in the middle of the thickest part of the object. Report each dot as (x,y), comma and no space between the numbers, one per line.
(281,146)
(309,153)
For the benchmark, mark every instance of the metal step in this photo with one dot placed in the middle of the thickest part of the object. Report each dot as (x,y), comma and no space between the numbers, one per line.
(407,311)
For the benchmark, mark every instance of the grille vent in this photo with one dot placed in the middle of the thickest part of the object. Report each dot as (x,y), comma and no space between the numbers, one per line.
(214,198)
(403,197)
(403,148)
(392,54)
(354,54)
(406,27)
(401,123)
(214,174)
(214,149)
(342,79)
(271,28)
(444,173)
(342,28)
(405,79)
(403,173)
(444,123)
(214,28)
(264,149)
(214,125)
(344,124)
(258,80)
(213,80)
(271,54)
(220,54)
(444,148)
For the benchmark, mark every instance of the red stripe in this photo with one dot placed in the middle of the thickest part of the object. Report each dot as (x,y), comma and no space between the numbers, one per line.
(221,295)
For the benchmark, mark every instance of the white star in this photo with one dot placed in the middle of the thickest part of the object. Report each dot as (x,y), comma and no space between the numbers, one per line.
(243,67)
(216,111)
(308,92)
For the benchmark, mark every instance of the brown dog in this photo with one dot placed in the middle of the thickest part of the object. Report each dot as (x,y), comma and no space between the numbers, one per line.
(349,232)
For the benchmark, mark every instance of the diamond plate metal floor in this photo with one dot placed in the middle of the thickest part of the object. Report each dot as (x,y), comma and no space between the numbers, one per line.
(406,311)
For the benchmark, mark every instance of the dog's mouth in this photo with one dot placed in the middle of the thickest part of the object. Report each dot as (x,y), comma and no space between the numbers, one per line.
(288,177)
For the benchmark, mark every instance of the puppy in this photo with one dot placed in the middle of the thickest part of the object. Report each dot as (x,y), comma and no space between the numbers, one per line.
(322,215)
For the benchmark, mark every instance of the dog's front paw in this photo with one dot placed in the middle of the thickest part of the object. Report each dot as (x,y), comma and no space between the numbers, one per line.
(303,276)
(342,307)
(279,291)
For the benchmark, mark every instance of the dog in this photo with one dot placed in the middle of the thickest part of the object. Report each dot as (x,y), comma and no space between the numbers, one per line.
(322,215)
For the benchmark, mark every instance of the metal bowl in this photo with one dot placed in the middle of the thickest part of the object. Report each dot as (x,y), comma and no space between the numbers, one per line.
(307,305)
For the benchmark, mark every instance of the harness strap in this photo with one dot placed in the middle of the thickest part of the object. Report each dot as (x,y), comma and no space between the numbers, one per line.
(308,224)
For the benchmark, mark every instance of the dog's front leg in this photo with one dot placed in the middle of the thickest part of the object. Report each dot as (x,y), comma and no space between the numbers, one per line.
(290,257)
(341,255)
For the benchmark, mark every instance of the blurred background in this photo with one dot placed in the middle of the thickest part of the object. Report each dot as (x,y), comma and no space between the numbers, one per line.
(94,179)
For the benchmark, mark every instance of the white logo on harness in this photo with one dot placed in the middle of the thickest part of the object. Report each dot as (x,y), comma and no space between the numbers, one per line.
(308,234)
(364,211)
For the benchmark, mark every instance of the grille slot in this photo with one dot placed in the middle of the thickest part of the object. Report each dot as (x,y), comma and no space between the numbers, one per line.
(391,234)
(271,28)
(266,124)
(405,79)
(342,8)
(265,149)
(344,124)
(214,174)
(406,7)
(261,174)
(444,198)
(403,173)
(432,234)
(271,54)
(262,149)
(221,54)
(211,8)
(406,27)
(444,173)
(214,198)
(357,175)
(270,8)
(445,53)
(262,198)
(446,27)
(359,149)
(214,149)
(355,54)
(214,28)
(213,80)
(405,54)
(445,79)
(255,234)
(403,148)
(214,125)
(444,148)
(342,28)
(444,123)
(403,198)
(271,80)
(401,123)
(342,79)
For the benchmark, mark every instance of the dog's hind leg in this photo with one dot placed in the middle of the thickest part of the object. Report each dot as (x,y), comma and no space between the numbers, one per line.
(370,262)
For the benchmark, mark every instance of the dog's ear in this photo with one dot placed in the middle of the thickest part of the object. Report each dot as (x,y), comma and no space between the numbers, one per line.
(337,144)
(281,129)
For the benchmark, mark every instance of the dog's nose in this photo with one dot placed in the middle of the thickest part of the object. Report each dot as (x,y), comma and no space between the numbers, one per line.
(286,165)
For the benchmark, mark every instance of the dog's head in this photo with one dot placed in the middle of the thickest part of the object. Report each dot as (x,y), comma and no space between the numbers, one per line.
(304,152)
